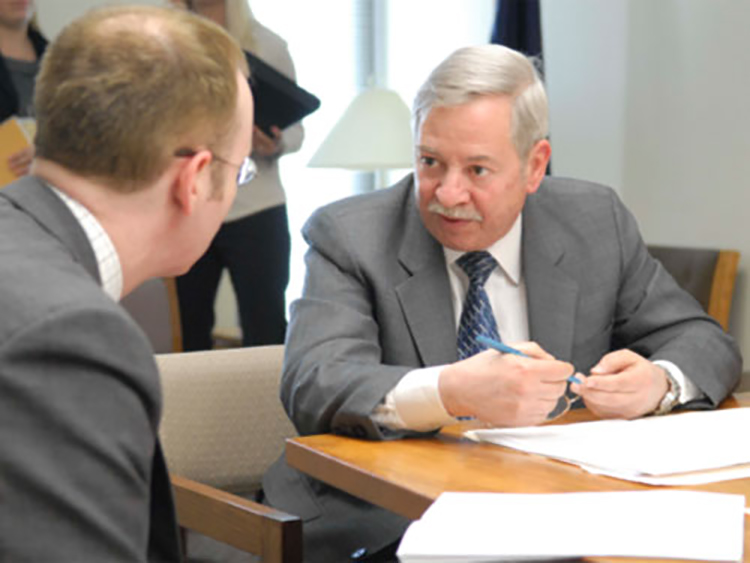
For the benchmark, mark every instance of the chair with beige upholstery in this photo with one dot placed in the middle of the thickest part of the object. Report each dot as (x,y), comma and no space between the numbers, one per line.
(707,274)
(154,306)
(222,426)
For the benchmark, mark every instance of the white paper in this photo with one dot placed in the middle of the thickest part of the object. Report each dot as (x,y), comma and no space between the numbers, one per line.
(515,527)
(645,449)
(677,479)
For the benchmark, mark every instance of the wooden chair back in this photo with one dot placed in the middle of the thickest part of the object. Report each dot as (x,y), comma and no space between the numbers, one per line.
(708,275)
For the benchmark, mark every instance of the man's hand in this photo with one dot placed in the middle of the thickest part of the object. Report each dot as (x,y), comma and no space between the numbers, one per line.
(264,145)
(623,385)
(504,389)
(20,162)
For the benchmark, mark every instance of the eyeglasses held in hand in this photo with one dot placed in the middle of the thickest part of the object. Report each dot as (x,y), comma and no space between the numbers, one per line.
(246,171)
(568,399)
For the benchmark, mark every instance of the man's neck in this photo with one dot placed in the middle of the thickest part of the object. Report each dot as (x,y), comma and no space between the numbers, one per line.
(15,43)
(126,218)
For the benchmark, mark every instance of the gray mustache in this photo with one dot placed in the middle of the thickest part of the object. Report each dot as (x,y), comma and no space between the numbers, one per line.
(467,214)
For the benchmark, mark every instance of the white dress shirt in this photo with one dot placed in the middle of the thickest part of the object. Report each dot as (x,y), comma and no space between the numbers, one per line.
(415,403)
(107,259)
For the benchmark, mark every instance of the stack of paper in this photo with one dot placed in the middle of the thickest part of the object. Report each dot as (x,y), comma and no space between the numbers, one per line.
(513,527)
(680,449)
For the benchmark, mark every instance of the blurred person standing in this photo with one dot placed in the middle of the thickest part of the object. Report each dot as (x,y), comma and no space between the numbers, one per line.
(21,48)
(253,243)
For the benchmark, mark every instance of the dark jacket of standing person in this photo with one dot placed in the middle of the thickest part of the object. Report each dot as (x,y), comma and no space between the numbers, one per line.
(8,94)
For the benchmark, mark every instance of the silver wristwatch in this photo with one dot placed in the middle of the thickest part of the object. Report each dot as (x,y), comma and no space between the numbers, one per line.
(671,398)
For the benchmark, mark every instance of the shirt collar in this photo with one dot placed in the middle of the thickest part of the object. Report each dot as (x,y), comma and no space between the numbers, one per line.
(110,269)
(506,251)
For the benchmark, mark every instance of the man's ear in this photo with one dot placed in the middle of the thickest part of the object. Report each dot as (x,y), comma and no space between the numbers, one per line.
(536,165)
(192,178)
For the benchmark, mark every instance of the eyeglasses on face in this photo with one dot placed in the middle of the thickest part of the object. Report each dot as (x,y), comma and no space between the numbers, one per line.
(246,171)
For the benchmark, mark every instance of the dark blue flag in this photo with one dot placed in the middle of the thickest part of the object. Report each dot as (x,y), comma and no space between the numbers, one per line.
(518,26)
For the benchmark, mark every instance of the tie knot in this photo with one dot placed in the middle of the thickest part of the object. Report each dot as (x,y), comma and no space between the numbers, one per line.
(477,265)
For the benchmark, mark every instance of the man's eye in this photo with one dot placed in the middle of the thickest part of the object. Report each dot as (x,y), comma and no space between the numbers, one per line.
(479,170)
(427,161)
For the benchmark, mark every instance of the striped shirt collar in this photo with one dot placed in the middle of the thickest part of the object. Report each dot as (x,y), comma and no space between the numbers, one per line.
(110,269)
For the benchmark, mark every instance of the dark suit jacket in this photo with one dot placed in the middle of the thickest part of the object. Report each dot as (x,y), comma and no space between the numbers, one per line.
(377,304)
(8,95)
(83,476)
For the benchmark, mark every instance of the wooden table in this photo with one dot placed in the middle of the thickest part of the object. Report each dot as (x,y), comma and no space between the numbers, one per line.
(406,476)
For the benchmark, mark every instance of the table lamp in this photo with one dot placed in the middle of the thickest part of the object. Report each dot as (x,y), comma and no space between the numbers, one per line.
(373,135)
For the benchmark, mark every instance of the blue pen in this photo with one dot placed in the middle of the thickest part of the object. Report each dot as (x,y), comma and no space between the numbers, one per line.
(505,349)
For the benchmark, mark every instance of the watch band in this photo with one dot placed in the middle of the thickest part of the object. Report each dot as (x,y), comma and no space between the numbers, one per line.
(671,397)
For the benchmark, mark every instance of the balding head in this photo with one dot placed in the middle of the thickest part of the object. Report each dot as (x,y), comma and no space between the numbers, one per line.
(122,88)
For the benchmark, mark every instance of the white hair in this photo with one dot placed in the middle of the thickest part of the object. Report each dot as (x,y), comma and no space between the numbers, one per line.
(487,70)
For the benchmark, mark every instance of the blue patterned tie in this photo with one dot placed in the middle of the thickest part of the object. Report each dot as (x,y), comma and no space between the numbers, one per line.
(477,317)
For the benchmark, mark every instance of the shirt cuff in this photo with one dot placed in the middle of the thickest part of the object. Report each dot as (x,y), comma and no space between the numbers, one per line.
(414,403)
(688,390)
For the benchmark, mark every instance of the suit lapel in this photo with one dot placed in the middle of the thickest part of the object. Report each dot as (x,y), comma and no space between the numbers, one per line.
(425,297)
(37,200)
(552,295)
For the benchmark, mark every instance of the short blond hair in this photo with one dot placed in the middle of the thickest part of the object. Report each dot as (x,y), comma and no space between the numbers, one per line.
(122,88)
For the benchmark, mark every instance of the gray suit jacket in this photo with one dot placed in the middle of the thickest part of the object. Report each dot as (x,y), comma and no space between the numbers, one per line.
(83,476)
(377,304)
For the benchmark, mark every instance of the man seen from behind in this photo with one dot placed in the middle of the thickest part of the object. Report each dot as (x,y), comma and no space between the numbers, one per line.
(144,121)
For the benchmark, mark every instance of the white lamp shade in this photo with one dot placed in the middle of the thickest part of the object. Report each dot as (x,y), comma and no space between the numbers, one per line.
(373,134)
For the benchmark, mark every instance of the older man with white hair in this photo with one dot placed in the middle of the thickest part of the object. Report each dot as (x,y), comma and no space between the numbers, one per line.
(404,287)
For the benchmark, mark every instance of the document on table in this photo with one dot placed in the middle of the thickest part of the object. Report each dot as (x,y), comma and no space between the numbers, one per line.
(467,527)
(679,449)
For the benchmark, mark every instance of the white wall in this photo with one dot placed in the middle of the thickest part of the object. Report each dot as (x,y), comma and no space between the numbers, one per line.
(421,33)
(651,97)
(585,71)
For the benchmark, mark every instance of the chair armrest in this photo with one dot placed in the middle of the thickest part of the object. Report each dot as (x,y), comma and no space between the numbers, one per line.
(273,535)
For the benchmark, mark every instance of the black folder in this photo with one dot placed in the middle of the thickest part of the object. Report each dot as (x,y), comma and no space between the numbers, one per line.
(278,100)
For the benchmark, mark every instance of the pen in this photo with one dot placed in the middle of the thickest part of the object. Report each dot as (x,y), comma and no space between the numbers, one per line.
(505,349)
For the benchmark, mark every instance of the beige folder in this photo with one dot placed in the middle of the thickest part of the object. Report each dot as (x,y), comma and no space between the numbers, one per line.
(15,134)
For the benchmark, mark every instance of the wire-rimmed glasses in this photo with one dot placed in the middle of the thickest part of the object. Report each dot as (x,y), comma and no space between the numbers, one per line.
(246,170)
